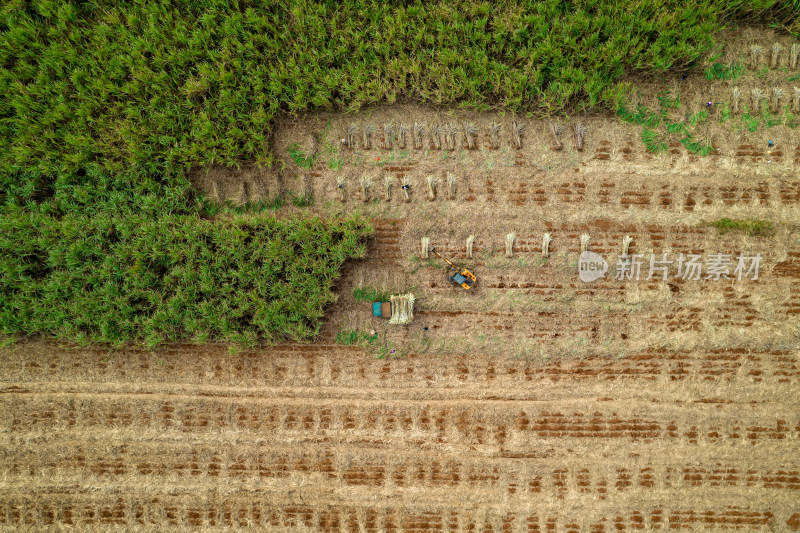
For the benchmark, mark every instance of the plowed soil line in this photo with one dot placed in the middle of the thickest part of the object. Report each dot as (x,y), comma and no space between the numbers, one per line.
(327,438)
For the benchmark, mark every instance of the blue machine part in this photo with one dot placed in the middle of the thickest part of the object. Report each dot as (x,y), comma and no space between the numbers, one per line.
(458,278)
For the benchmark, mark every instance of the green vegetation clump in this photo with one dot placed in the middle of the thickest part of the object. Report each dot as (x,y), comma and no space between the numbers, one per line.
(138,278)
(653,141)
(300,158)
(721,71)
(657,131)
(752,120)
(749,227)
(370,294)
(371,342)
(353,337)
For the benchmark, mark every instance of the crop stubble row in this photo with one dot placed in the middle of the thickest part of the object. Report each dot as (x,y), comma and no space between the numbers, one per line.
(500,475)
(606,191)
(320,365)
(219,511)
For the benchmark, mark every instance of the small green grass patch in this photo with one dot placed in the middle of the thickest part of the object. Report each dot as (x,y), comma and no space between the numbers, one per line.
(758,228)
(352,337)
(370,294)
(300,158)
(721,71)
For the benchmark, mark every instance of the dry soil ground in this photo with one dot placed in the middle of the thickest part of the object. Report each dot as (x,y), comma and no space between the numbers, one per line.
(328,438)
(535,402)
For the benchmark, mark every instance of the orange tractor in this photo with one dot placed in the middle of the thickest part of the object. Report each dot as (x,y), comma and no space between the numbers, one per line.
(459,276)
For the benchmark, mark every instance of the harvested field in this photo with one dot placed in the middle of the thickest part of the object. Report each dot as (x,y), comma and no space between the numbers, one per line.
(328,438)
